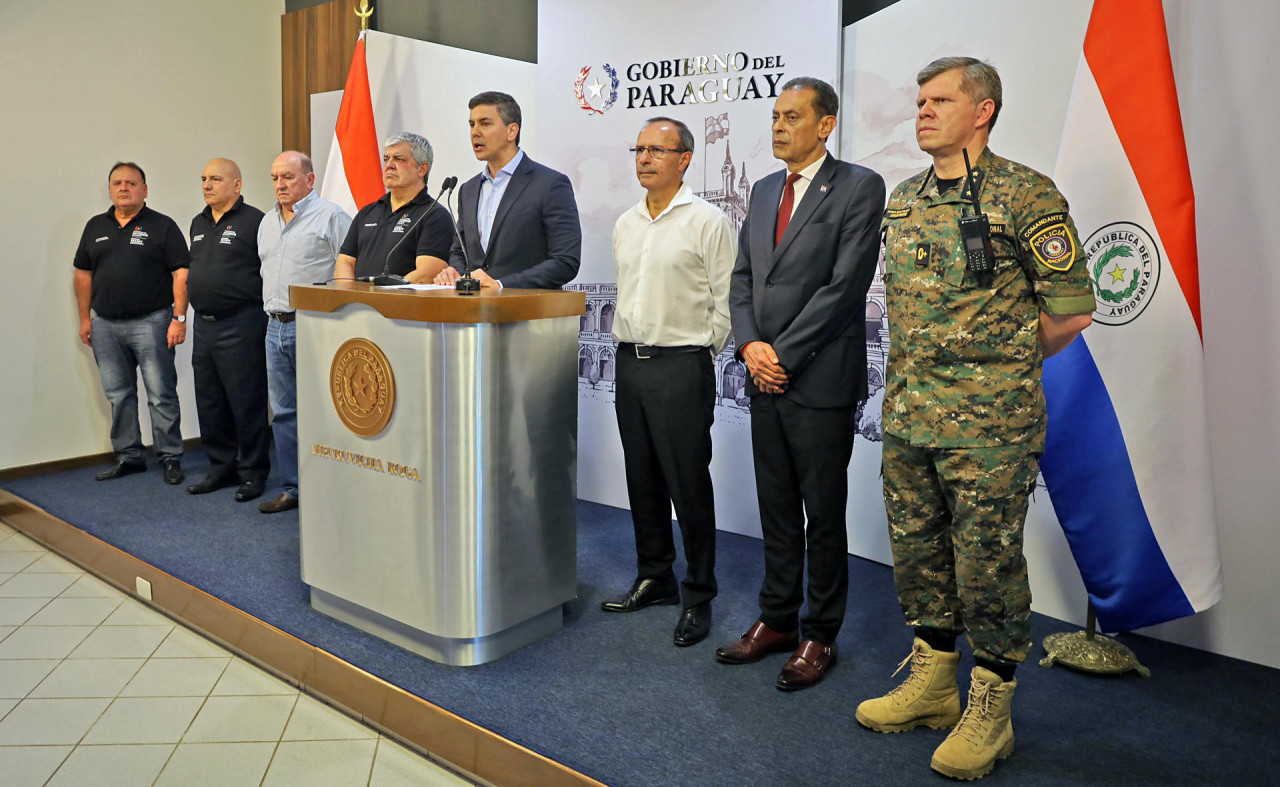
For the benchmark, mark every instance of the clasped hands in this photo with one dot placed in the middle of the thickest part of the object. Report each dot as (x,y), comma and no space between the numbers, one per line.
(762,362)
(450,275)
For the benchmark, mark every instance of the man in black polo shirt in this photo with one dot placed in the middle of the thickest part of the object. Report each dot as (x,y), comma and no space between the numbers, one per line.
(229,356)
(400,234)
(131,289)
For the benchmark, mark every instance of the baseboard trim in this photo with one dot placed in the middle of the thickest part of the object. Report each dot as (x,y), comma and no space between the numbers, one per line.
(74,463)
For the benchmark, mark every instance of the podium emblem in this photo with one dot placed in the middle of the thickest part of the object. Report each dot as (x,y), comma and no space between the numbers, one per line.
(362,386)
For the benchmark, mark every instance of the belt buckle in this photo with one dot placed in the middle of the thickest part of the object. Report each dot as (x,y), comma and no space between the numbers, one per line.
(639,356)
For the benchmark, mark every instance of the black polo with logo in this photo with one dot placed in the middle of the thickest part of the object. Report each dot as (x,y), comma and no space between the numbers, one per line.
(226,272)
(377,230)
(132,266)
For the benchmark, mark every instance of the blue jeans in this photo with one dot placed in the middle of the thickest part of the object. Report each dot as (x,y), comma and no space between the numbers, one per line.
(282,389)
(120,347)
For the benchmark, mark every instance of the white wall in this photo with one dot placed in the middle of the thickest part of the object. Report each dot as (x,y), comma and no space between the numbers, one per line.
(169,85)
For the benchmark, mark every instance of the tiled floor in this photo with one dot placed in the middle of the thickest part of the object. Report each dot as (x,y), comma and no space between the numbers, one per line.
(98,689)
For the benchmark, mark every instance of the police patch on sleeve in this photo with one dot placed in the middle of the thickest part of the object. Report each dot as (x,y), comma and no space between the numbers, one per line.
(1049,239)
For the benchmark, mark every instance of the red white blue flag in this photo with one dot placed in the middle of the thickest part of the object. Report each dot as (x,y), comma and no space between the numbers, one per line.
(1127,456)
(353,175)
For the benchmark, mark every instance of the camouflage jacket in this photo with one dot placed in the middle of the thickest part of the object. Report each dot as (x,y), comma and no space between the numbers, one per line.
(964,360)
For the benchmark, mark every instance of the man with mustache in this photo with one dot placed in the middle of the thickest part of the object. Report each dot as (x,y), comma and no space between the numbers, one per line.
(807,254)
(131,289)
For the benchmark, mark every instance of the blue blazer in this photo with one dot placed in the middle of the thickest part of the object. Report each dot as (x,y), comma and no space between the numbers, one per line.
(536,240)
(807,297)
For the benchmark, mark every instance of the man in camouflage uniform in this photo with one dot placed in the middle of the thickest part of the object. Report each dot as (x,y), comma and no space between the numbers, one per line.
(964,411)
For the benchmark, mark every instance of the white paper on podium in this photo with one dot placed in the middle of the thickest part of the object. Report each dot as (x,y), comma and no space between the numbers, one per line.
(416,287)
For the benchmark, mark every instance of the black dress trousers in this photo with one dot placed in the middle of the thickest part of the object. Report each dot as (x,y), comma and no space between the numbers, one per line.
(665,407)
(230,365)
(801,463)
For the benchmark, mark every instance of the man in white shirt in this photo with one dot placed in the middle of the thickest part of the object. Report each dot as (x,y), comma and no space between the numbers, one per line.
(673,254)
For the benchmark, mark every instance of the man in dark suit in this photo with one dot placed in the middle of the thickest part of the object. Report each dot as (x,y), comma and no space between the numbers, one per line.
(806,256)
(518,219)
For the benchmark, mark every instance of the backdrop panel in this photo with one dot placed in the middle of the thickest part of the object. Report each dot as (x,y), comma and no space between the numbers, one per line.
(603,70)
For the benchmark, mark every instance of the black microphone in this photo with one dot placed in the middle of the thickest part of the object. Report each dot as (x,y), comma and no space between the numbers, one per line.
(386,279)
(466,285)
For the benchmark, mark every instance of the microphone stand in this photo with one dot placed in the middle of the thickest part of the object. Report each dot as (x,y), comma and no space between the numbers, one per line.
(388,279)
(467,284)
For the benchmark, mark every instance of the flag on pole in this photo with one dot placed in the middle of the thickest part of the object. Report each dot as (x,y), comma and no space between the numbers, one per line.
(1127,452)
(717,127)
(353,176)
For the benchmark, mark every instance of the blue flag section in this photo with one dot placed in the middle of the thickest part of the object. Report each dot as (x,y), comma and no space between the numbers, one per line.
(1095,495)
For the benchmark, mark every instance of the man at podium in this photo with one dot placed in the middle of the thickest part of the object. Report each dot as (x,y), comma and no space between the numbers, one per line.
(517,219)
(403,233)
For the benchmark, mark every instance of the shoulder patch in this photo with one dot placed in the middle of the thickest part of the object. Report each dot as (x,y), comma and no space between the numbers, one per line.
(897,213)
(1053,247)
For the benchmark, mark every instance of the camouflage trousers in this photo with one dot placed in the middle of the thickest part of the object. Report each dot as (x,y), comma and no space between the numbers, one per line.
(955,522)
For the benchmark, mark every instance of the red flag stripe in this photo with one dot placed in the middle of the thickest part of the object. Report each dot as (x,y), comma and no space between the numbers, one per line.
(1127,48)
(357,135)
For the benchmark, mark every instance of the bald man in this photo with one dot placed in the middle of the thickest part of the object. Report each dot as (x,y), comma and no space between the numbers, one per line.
(229,353)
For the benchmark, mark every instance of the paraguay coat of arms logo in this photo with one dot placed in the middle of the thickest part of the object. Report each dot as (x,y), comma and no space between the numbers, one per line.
(362,387)
(1124,263)
(596,97)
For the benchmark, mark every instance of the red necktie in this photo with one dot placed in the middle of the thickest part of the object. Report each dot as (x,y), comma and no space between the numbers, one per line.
(784,210)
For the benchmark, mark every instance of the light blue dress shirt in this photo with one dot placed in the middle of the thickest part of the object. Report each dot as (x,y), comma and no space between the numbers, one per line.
(302,251)
(491,191)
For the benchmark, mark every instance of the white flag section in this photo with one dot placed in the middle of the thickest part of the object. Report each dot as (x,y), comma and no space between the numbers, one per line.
(1127,455)
(335,188)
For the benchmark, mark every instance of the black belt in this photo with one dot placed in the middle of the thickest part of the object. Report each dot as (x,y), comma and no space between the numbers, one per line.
(283,316)
(646,351)
(211,317)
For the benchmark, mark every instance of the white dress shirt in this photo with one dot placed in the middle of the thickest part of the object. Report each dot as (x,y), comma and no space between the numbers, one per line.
(673,274)
(802,184)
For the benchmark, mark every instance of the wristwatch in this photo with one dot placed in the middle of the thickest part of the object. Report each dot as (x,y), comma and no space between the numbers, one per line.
(179,318)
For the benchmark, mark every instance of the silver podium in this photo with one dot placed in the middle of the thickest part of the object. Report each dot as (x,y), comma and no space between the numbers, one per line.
(437,443)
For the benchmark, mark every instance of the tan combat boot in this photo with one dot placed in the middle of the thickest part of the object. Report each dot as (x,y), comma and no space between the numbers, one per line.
(984,735)
(927,697)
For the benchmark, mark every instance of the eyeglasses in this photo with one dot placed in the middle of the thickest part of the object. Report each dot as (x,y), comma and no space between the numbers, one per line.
(654,151)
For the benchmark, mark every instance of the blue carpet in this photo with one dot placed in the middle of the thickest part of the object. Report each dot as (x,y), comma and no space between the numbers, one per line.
(610,696)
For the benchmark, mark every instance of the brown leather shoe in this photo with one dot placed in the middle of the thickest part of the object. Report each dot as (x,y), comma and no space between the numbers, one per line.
(282,503)
(807,666)
(758,642)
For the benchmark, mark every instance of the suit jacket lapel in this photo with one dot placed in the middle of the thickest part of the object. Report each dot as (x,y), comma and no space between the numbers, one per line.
(519,182)
(768,193)
(468,215)
(804,211)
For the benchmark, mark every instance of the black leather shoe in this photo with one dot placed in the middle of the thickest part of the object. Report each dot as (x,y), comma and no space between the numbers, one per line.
(211,483)
(250,490)
(120,470)
(173,474)
(275,505)
(646,592)
(694,625)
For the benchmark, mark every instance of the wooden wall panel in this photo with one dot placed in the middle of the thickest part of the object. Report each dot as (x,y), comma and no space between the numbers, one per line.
(316,45)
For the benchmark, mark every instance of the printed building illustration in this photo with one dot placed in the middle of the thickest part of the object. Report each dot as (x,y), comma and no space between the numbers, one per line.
(597,351)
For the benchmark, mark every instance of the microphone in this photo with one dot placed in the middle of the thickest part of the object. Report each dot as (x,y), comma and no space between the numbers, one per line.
(466,285)
(387,279)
